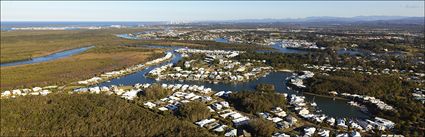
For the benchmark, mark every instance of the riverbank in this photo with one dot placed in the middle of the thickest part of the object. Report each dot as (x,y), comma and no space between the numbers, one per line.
(326,96)
(24,45)
(54,56)
(66,70)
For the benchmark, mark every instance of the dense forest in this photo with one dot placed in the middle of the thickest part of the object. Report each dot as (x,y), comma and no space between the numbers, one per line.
(255,101)
(87,115)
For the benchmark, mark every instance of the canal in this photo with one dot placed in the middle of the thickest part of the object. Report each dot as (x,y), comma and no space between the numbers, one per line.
(328,106)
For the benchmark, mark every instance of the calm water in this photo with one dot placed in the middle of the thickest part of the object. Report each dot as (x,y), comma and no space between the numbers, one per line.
(126,36)
(50,57)
(351,52)
(330,107)
(221,40)
(288,50)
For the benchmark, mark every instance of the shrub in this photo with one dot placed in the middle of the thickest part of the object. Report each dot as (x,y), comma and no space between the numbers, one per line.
(266,88)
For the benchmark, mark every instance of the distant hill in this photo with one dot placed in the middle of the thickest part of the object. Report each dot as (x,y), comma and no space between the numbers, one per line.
(324,19)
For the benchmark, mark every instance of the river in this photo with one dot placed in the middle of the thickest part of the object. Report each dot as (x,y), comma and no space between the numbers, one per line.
(50,57)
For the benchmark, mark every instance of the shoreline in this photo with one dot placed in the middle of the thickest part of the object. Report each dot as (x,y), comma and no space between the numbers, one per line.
(6,64)
(325,96)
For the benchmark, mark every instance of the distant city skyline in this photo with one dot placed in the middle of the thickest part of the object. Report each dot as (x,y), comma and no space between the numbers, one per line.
(200,10)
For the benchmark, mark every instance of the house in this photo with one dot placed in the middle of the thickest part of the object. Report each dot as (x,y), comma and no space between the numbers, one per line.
(16,92)
(225,115)
(37,89)
(216,106)
(162,109)
(384,122)
(34,93)
(280,134)
(342,135)
(276,119)
(331,121)
(212,125)
(104,88)
(283,125)
(355,134)
(303,111)
(341,122)
(231,133)
(45,92)
(6,93)
(149,104)
(94,90)
(225,104)
(309,131)
(130,95)
(365,125)
(240,121)
(204,122)
(291,120)
(323,133)
(220,128)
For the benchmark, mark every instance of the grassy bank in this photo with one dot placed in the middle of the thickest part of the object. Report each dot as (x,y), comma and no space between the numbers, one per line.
(87,115)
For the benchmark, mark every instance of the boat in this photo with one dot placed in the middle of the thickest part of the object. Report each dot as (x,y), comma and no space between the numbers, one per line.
(313,104)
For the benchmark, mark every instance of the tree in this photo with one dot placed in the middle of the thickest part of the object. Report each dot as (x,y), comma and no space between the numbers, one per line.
(193,111)
(156,92)
(266,88)
(253,102)
(261,128)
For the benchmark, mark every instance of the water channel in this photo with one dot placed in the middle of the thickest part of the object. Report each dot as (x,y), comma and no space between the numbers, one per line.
(50,57)
(328,106)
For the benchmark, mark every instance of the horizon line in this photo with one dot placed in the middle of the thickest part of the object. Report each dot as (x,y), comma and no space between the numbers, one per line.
(202,20)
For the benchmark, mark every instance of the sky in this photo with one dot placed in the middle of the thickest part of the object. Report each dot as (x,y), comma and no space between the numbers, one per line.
(200,10)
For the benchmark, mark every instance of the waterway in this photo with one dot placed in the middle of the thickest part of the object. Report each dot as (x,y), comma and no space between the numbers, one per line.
(328,106)
(221,40)
(50,57)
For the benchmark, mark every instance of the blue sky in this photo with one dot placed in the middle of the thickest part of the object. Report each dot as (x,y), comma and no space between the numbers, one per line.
(199,10)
